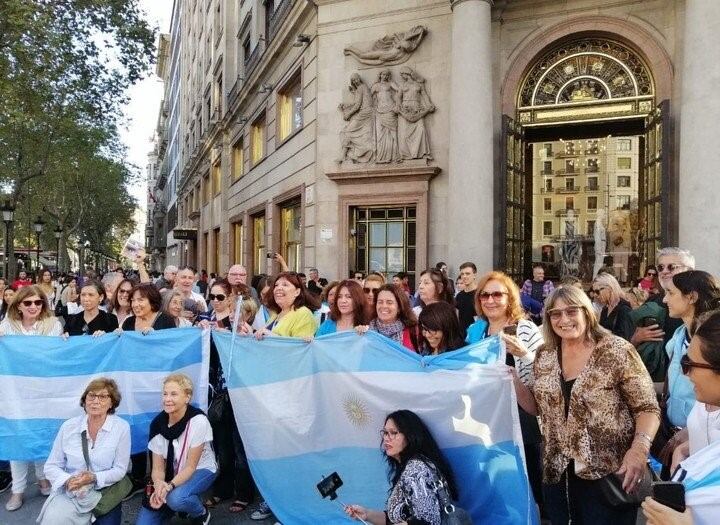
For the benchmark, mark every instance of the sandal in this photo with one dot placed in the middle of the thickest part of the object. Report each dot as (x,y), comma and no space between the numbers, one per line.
(212,501)
(238,506)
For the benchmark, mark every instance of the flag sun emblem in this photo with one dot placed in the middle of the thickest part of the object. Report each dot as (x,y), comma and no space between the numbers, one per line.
(356,411)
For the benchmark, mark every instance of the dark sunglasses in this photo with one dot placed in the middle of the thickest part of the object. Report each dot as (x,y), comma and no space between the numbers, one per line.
(370,290)
(484,296)
(670,267)
(686,364)
(36,302)
(651,273)
(219,297)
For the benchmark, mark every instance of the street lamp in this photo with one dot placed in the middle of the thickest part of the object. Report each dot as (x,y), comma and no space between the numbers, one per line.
(38,226)
(8,209)
(58,234)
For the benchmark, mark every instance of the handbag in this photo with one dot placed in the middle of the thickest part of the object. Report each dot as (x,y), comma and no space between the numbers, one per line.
(113,495)
(217,411)
(613,495)
(450,514)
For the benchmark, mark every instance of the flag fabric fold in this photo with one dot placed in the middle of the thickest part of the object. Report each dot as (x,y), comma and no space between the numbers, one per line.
(42,379)
(700,473)
(305,410)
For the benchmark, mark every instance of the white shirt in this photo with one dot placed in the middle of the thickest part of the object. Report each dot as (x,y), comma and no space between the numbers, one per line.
(109,453)
(199,299)
(703,427)
(8,329)
(200,434)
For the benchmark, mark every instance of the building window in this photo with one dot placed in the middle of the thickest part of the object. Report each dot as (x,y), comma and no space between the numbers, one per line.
(547,205)
(590,227)
(569,203)
(258,244)
(290,108)
(593,166)
(548,150)
(624,144)
(569,148)
(218,109)
(216,245)
(290,234)
(196,198)
(592,183)
(623,181)
(385,240)
(547,228)
(238,243)
(624,163)
(207,190)
(257,139)
(569,166)
(592,203)
(246,51)
(548,185)
(216,178)
(570,183)
(238,159)
(547,167)
(623,202)
(269,11)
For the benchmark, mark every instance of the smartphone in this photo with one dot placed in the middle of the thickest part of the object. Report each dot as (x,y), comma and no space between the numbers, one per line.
(648,321)
(328,486)
(270,255)
(670,494)
(510,329)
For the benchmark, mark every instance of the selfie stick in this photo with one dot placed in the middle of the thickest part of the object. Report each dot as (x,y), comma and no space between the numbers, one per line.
(345,506)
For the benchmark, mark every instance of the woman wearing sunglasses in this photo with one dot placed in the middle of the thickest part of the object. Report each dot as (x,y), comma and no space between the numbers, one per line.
(500,312)
(650,280)
(699,458)
(28,314)
(599,412)
(688,295)
(350,309)
(120,305)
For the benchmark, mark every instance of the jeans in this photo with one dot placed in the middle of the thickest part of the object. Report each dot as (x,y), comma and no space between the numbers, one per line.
(114,517)
(19,470)
(185,498)
(585,505)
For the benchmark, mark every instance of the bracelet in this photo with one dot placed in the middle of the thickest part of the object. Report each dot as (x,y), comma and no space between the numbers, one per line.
(173,485)
(644,436)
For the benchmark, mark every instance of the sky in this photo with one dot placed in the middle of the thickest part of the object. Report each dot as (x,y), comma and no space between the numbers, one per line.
(142,112)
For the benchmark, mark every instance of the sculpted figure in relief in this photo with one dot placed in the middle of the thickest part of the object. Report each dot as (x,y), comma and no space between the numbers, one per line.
(384,93)
(390,49)
(358,136)
(415,104)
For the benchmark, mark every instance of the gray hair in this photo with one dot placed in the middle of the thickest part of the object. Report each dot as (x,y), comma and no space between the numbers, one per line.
(171,268)
(685,256)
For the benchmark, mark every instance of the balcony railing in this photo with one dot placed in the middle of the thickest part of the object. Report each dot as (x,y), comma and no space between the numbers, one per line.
(591,188)
(563,213)
(546,172)
(592,169)
(562,173)
(567,189)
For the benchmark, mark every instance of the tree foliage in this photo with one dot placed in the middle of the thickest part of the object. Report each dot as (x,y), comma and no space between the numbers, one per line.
(65,66)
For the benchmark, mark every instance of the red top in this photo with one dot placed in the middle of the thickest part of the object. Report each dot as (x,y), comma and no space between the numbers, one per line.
(19,283)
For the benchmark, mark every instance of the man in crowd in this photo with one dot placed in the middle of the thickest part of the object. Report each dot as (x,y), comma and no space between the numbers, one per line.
(316,283)
(22,280)
(401,280)
(167,281)
(534,292)
(465,299)
(358,277)
(237,274)
(185,282)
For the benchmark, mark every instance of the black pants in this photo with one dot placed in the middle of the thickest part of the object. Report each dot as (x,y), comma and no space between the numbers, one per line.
(138,472)
(585,505)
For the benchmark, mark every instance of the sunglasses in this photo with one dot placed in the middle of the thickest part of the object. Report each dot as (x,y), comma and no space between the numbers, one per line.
(485,296)
(370,290)
(670,267)
(218,297)
(686,364)
(557,313)
(597,290)
(651,273)
(28,303)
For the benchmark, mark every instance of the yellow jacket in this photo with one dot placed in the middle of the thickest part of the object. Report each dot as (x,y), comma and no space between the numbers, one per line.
(298,323)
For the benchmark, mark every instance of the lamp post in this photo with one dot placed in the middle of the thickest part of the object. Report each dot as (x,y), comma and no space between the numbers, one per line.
(58,234)
(38,226)
(7,213)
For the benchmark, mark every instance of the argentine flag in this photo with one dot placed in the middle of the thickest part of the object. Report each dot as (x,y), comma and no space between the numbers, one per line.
(700,473)
(42,379)
(305,410)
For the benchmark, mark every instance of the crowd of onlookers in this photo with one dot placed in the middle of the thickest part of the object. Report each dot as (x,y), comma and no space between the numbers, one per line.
(606,377)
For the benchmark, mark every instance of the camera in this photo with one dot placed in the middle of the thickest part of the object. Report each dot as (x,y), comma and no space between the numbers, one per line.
(329,485)
(270,255)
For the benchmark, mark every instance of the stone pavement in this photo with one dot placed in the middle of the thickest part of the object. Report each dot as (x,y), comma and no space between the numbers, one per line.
(27,514)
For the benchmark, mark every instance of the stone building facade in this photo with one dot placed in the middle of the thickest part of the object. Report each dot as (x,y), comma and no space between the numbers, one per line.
(374,135)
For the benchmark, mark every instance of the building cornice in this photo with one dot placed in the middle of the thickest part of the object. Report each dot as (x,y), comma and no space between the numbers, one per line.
(455,3)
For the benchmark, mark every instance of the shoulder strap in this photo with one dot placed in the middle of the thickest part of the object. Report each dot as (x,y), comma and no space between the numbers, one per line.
(184,445)
(86,455)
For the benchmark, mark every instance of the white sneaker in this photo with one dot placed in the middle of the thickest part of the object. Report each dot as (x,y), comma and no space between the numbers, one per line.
(14,503)
(263,512)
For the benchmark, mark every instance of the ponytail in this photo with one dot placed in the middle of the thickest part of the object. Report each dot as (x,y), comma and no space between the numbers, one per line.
(708,334)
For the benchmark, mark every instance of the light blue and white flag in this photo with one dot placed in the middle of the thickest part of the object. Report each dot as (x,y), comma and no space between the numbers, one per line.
(700,473)
(306,410)
(42,379)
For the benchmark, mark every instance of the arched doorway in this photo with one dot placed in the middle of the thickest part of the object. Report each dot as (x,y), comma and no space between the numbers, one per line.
(584,162)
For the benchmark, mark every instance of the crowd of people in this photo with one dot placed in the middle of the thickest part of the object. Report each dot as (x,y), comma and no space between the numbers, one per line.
(606,379)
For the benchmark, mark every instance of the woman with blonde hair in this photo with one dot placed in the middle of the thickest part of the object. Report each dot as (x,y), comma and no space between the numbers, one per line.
(616,314)
(28,314)
(599,412)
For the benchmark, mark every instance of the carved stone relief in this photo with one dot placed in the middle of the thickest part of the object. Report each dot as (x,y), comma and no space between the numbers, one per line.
(389,50)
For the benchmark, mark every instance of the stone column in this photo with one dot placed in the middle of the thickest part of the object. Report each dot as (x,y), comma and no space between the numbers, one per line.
(470,190)
(699,129)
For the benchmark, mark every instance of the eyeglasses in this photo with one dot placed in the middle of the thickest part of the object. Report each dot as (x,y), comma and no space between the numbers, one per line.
(570,311)
(686,364)
(598,290)
(392,434)
(485,296)
(218,297)
(28,303)
(102,397)
(670,267)
(370,290)
(125,290)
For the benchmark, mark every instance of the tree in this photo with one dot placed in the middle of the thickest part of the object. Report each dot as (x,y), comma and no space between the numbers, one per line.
(65,67)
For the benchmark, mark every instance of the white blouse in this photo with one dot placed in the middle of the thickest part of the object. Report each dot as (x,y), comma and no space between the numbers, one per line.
(109,453)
